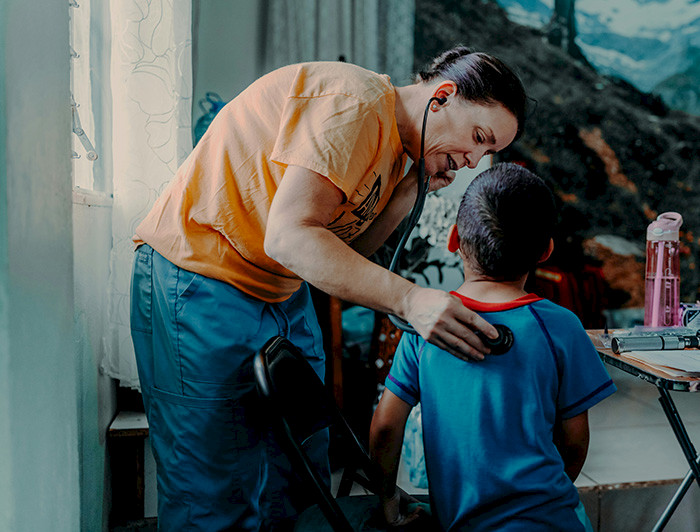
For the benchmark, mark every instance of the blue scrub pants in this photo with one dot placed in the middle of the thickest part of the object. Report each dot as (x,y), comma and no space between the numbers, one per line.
(218,466)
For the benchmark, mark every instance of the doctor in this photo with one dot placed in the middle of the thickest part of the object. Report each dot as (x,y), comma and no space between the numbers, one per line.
(296,181)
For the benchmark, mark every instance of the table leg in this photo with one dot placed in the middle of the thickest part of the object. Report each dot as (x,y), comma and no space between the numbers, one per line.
(691,456)
(675,501)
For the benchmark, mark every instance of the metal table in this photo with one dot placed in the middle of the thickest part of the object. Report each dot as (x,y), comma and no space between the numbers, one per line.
(664,383)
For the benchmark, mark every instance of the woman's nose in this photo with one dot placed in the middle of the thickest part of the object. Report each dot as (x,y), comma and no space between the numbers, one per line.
(473,158)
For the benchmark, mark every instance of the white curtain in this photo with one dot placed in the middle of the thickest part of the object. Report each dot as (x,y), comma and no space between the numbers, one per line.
(151,83)
(375,34)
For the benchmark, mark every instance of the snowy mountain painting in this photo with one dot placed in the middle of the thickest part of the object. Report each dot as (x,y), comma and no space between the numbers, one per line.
(653,44)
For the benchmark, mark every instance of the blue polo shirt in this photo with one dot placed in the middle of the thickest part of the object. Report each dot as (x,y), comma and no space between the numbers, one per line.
(488,426)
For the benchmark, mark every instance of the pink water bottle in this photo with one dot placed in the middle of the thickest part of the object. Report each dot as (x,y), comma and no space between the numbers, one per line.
(663,279)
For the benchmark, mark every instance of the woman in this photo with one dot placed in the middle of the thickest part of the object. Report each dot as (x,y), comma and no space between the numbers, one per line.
(296,181)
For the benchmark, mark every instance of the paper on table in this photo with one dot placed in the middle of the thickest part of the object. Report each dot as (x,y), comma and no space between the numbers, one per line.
(682,360)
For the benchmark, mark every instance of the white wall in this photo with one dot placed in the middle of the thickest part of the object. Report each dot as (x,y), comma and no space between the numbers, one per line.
(92,230)
(92,241)
(6,505)
(39,484)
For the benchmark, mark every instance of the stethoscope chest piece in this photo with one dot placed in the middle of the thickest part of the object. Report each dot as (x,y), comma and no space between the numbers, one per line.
(502,343)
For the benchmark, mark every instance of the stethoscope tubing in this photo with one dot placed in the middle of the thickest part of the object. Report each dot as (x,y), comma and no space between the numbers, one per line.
(505,340)
(414,216)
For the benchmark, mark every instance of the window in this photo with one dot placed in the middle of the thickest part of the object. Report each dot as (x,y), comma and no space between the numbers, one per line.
(83,125)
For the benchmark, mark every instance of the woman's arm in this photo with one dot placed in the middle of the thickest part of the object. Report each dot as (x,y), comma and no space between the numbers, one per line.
(297,237)
(571,436)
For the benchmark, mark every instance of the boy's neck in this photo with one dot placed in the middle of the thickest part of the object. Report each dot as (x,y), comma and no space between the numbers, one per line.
(489,291)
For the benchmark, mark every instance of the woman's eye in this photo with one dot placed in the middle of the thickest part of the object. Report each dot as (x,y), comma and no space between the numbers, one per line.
(479,137)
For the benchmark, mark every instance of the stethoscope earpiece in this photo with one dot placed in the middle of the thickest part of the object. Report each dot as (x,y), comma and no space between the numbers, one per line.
(437,102)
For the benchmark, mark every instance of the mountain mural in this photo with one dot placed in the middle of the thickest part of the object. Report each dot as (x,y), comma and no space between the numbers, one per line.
(615,156)
(653,44)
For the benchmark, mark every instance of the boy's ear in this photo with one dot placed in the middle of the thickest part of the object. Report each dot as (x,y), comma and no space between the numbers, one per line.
(548,252)
(453,239)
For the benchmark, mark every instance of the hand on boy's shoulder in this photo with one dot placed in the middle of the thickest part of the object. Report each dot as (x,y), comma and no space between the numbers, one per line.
(443,320)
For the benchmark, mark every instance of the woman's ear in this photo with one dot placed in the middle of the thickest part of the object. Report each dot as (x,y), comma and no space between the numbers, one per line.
(548,252)
(445,89)
(453,239)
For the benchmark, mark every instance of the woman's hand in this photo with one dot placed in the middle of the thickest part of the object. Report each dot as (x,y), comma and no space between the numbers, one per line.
(443,320)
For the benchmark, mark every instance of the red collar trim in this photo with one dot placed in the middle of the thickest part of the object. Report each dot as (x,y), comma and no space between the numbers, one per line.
(480,306)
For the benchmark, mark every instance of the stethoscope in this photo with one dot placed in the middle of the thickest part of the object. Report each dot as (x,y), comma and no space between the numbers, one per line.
(504,341)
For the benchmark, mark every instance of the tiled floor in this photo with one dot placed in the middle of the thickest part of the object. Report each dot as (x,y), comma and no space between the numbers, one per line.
(631,423)
(634,462)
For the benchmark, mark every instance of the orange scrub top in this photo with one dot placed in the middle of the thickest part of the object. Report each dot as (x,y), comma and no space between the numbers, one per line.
(336,119)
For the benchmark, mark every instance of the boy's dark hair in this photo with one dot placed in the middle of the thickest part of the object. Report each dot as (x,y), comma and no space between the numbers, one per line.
(505,221)
(481,78)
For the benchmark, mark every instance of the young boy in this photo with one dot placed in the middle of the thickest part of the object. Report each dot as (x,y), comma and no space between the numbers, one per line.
(505,437)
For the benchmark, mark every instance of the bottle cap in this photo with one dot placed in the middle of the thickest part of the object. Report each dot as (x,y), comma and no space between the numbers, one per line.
(665,227)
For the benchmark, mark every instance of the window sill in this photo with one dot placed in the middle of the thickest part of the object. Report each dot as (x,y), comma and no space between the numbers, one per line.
(91,198)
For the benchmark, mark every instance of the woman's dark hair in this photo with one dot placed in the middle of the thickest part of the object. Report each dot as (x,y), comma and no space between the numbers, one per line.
(480,78)
(505,221)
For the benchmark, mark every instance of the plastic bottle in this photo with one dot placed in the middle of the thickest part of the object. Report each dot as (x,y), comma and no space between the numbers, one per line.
(211,104)
(663,280)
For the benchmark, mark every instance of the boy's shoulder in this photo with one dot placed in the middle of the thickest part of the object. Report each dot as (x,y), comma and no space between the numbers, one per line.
(549,311)
(563,328)
(541,308)
(411,343)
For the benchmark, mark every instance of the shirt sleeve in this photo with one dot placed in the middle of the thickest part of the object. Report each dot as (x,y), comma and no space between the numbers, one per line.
(584,379)
(333,135)
(402,380)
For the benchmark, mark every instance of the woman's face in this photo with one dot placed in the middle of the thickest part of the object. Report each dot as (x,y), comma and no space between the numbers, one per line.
(461,133)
